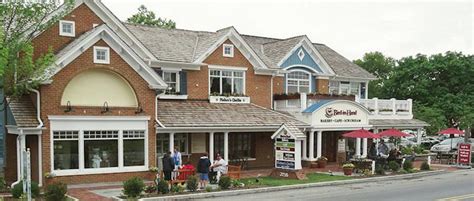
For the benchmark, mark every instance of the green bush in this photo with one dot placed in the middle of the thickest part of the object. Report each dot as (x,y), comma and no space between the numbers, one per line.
(379,170)
(418,149)
(394,166)
(133,187)
(56,192)
(3,184)
(406,150)
(225,182)
(17,190)
(208,189)
(236,183)
(425,166)
(163,187)
(150,188)
(408,165)
(192,183)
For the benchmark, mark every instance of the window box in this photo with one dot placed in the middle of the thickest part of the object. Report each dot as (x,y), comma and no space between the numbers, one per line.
(229,99)
(385,111)
(314,96)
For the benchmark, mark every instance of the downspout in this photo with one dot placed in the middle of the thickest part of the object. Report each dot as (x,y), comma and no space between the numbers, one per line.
(271,90)
(18,160)
(38,107)
(40,156)
(156,109)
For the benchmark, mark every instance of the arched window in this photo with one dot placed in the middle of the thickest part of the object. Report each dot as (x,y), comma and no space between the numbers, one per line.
(96,86)
(298,82)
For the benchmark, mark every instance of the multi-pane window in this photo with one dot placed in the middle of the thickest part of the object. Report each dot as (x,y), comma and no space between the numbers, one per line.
(227,82)
(344,87)
(101,55)
(172,79)
(66,28)
(298,82)
(333,87)
(240,145)
(101,149)
(66,150)
(133,147)
(354,88)
(228,50)
(163,141)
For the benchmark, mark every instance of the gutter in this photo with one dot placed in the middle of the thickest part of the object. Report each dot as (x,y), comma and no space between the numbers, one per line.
(156,110)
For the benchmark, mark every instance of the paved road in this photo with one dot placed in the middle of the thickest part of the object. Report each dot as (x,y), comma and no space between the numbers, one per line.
(451,186)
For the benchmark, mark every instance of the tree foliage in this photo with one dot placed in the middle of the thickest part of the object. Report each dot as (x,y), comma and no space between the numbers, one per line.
(379,65)
(21,21)
(147,17)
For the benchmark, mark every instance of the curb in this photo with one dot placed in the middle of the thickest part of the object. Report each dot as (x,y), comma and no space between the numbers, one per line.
(289,187)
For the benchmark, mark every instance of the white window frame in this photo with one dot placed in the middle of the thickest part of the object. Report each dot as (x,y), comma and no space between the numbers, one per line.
(73,28)
(86,123)
(177,79)
(107,55)
(231,69)
(231,54)
(298,80)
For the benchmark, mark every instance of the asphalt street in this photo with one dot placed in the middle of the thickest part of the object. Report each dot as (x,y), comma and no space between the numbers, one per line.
(450,186)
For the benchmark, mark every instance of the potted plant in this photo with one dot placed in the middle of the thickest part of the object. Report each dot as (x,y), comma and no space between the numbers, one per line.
(322,162)
(348,167)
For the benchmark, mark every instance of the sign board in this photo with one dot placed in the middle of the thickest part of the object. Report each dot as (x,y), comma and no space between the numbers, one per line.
(340,113)
(341,145)
(464,154)
(26,174)
(286,151)
(229,99)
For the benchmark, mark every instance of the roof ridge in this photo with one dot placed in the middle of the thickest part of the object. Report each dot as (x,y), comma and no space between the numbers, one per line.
(286,39)
(175,29)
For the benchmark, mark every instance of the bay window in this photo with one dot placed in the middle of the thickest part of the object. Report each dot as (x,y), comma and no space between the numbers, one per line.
(227,82)
(298,82)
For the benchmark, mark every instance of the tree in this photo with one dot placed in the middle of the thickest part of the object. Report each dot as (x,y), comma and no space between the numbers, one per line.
(379,65)
(146,17)
(442,82)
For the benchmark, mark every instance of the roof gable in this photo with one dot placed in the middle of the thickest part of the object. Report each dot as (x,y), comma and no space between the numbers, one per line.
(290,129)
(301,57)
(103,32)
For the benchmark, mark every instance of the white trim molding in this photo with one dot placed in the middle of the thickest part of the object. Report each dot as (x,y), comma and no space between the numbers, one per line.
(231,50)
(106,59)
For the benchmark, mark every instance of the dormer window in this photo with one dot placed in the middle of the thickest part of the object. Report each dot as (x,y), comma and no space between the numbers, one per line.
(101,55)
(67,28)
(228,50)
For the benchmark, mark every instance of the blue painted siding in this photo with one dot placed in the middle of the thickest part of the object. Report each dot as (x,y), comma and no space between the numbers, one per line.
(295,60)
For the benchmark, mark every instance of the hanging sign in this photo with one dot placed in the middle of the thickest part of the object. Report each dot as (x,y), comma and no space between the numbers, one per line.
(464,154)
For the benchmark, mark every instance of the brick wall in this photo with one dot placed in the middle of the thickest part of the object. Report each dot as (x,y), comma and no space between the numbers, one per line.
(84,19)
(257,87)
(51,100)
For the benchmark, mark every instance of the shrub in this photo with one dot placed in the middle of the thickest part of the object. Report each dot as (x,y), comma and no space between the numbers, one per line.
(407,150)
(418,149)
(236,183)
(379,170)
(394,166)
(425,166)
(133,187)
(408,165)
(208,189)
(192,183)
(17,190)
(162,187)
(225,182)
(150,189)
(56,191)
(3,184)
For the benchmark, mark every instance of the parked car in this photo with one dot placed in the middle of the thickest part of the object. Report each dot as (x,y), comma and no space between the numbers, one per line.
(449,145)
(407,142)
(428,142)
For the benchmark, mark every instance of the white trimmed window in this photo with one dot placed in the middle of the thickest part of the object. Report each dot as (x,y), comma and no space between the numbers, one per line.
(298,82)
(67,28)
(227,82)
(344,87)
(228,50)
(172,79)
(163,143)
(333,87)
(101,55)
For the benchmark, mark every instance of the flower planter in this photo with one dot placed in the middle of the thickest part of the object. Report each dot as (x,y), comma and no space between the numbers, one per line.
(322,163)
(348,171)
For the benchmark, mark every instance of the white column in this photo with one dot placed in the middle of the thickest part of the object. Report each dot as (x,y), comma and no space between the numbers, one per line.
(357,153)
(304,151)
(211,147)
(226,146)
(171,148)
(320,144)
(376,130)
(311,145)
(418,136)
(40,160)
(364,147)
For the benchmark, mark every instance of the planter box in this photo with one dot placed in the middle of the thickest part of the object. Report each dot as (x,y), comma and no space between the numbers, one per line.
(229,99)
(386,112)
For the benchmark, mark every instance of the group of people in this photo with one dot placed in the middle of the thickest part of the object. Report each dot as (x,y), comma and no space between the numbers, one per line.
(172,162)
(383,152)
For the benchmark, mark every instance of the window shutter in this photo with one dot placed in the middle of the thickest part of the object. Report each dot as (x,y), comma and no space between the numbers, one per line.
(183,83)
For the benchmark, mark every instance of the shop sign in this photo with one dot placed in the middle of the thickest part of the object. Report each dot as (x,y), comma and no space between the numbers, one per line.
(464,154)
(341,145)
(285,164)
(229,99)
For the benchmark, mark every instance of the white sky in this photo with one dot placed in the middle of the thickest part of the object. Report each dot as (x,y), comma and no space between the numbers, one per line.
(395,28)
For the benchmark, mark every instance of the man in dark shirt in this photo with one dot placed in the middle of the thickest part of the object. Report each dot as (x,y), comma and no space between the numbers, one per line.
(168,166)
(203,170)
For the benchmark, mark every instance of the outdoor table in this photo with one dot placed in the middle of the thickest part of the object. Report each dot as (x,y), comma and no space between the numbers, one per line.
(361,164)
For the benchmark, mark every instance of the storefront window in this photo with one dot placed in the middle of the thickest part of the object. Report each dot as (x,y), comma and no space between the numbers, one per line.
(66,150)
(226,82)
(298,82)
(100,153)
(333,87)
(134,148)
(240,145)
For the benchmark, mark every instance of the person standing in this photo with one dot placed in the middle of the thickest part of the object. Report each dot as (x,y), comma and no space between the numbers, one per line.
(177,162)
(220,167)
(203,170)
(168,166)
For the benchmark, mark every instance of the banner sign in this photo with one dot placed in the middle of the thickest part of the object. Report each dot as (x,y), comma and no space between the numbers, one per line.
(464,154)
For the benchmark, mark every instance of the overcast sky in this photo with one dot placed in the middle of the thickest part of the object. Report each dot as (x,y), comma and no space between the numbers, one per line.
(395,28)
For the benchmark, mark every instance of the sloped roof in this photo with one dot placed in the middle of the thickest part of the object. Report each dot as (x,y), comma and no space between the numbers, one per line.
(279,49)
(397,123)
(341,65)
(196,113)
(23,111)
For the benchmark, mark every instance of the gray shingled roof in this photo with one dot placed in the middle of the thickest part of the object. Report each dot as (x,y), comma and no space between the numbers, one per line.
(340,65)
(405,123)
(295,130)
(194,113)
(23,111)
(187,46)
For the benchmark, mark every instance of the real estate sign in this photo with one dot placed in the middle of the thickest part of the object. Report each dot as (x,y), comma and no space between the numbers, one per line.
(464,154)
